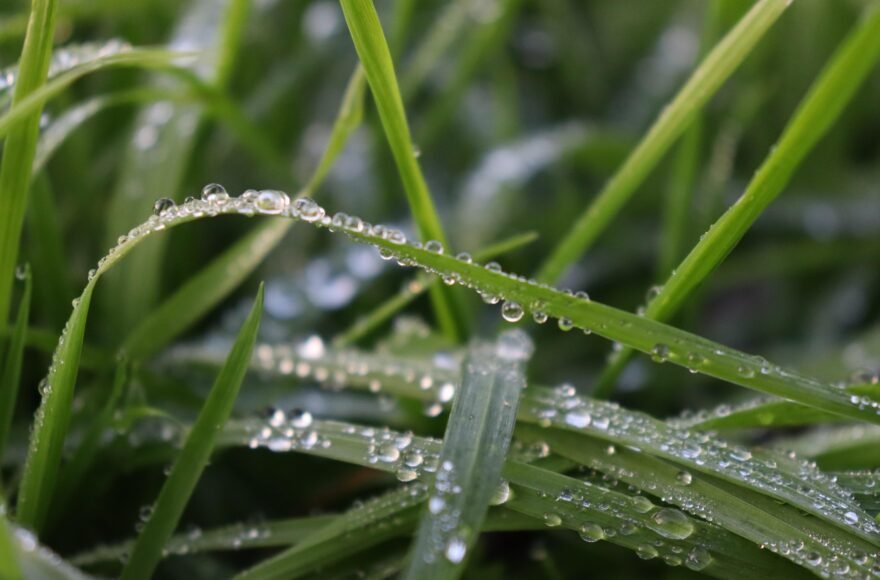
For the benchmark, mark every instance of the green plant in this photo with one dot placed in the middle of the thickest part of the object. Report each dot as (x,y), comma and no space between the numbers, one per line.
(432,451)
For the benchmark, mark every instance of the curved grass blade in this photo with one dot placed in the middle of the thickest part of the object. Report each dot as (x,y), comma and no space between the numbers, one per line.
(21,144)
(662,342)
(839,448)
(240,536)
(195,453)
(818,111)
(759,412)
(375,57)
(718,65)
(204,290)
(10,372)
(415,288)
(163,137)
(474,450)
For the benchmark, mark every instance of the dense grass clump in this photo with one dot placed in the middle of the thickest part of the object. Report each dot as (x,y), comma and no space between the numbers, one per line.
(274,398)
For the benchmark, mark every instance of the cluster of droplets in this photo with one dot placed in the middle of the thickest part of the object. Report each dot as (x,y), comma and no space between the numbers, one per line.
(791,480)
(286,431)
(434,382)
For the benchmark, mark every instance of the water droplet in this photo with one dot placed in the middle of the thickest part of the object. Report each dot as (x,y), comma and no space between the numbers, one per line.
(162,205)
(565,324)
(434,247)
(539,316)
(590,532)
(271,201)
(578,418)
(215,193)
(671,523)
(698,559)
(300,419)
(307,209)
(456,550)
(660,353)
(684,478)
(552,520)
(646,551)
(642,504)
(501,494)
(511,311)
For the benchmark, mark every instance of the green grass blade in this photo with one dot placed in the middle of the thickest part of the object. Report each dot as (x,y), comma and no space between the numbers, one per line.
(415,288)
(9,566)
(718,65)
(234,537)
(474,449)
(51,421)
(818,111)
(195,453)
(10,372)
(375,57)
(21,143)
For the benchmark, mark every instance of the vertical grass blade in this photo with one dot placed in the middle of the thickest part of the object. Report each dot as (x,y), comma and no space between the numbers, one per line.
(51,420)
(9,567)
(195,453)
(818,111)
(674,119)
(21,144)
(10,372)
(474,450)
(372,49)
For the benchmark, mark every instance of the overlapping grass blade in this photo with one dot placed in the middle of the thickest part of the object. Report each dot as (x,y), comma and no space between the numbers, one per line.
(474,450)
(818,111)
(836,448)
(718,65)
(375,57)
(21,143)
(196,452)
(554,499)
(35,561)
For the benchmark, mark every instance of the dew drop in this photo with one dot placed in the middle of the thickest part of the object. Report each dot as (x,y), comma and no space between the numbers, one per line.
(578,418)
(434,247)
(671,523)
(162,205)
(271,201)
(590,532)
(456,550)
(646,551)
(660,353)
(565,324)
(511,311)
(308,210)
(552,520)
(215,193)
(684,478)
(698,559)
(300,419)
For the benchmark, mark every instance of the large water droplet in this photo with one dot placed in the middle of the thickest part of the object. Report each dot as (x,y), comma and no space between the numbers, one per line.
(162,205)
(215,193)
(271,201)
(511,311)
(671,523)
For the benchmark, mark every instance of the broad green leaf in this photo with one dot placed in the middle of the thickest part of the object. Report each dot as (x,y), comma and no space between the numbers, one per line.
(818,111)
(196,452)
(705,81)
(474,450)
(10,372)
(21,143)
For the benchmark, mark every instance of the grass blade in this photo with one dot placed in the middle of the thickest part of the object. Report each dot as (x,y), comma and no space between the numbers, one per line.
(21,144)
(474,450)
(9,566)
(718,65)
(10,372)
(818,111)
(52,419)
(195,452)
(375,57)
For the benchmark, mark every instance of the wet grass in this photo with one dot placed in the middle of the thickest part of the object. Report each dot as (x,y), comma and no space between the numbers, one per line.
(361,419)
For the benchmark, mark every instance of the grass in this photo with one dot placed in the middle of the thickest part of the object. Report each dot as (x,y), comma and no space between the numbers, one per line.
(344,425)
